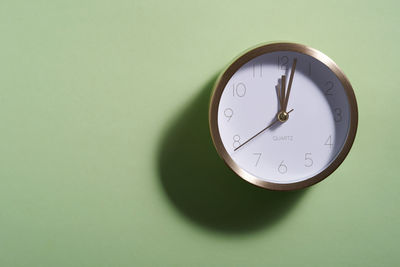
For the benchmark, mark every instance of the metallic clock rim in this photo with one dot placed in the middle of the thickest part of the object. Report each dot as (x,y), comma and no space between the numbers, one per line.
(235,66)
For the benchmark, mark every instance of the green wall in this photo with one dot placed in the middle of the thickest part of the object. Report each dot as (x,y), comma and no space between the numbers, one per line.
(105,156)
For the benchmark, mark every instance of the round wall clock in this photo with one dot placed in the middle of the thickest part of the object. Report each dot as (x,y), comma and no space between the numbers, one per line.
(283,116)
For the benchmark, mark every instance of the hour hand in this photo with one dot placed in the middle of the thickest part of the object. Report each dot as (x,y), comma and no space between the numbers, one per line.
(281,92)
(286,97)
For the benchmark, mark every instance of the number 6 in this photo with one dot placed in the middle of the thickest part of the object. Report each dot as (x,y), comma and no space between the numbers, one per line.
(282,168)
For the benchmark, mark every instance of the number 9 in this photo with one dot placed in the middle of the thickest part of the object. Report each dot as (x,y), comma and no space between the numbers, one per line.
(228,113)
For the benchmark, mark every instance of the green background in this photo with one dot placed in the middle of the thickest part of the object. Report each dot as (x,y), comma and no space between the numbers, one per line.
(105,156)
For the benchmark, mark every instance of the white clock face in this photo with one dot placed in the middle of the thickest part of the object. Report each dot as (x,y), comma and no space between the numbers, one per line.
(290,151)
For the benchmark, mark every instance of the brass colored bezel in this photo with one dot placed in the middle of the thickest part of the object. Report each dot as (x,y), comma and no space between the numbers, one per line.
(231,70)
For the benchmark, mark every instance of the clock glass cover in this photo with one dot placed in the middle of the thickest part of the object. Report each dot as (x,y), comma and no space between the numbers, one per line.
(284,116)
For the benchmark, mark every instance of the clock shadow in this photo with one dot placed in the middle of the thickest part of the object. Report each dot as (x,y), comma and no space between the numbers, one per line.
(203,188)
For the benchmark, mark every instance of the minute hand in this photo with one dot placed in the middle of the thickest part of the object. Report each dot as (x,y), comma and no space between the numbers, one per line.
(285,103)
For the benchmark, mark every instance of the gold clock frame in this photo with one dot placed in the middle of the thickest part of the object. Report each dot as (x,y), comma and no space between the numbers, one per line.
(231,70)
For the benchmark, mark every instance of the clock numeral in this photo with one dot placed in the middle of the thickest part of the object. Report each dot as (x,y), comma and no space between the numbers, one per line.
(282,168)
(283,63)
(329,142)
(236,141)
(329,87)
(228,112)
(308,160)
(258,155)
(239,89)
(338,114)
(257,70)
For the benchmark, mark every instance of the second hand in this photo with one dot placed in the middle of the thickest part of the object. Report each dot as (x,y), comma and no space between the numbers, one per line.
(275,121)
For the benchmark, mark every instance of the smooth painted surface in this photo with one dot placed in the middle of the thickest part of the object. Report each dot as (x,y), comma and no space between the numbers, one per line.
(104,147)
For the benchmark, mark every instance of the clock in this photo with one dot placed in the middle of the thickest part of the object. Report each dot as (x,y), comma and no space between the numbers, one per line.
(283,116)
